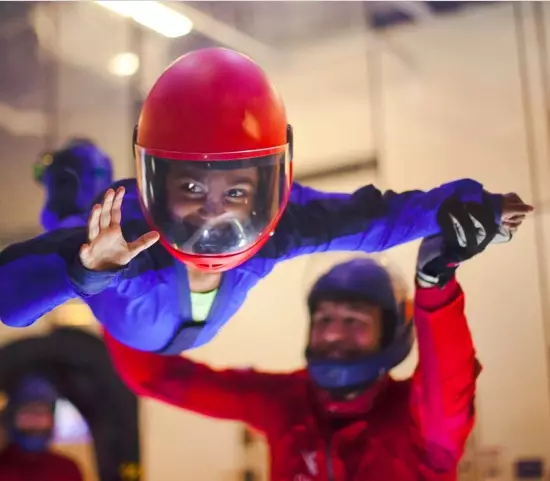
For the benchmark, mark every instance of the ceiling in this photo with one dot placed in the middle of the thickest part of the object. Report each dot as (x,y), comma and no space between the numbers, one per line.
(26,69)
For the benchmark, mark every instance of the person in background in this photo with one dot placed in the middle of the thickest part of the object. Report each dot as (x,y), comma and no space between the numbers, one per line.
(72,177)
(30,423)
(344,416)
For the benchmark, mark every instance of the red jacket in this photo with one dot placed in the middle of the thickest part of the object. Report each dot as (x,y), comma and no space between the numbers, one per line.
(408,430)
(19,465)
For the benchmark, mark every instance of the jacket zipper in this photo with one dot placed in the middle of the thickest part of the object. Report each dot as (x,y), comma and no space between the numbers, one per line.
(330,467)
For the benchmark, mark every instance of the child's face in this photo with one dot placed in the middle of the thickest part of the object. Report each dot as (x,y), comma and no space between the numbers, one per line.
(197,195)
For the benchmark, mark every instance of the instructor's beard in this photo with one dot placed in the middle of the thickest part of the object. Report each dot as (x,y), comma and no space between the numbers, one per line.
(337,351)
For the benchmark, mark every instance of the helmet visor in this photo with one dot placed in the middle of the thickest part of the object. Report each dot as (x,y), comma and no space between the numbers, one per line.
(216,207)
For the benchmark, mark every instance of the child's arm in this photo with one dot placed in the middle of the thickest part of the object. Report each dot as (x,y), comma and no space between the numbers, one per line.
(42,273)
(34,278)
(367,220)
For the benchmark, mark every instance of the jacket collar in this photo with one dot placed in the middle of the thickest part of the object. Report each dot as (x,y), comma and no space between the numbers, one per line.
(352,406)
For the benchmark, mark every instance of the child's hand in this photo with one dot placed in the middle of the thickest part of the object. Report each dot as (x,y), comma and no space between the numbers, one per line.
(514,211)
(106,248)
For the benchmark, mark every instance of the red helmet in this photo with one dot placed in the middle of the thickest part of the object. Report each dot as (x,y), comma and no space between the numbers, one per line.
(213,152)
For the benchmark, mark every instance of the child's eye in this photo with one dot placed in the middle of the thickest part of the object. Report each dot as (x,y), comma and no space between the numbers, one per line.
(192,188)
(236,193)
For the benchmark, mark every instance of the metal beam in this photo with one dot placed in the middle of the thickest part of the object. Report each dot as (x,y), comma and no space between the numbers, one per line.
(15,27)
(419,10)
(21,122)
(203,23)
(323,51)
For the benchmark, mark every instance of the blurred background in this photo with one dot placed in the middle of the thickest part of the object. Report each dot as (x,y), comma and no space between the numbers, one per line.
(402,94)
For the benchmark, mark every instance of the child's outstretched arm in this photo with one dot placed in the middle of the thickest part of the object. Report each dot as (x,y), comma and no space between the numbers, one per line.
(42,273)
(367,220)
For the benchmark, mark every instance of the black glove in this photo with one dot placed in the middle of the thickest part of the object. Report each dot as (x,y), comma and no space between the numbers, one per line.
(466,230)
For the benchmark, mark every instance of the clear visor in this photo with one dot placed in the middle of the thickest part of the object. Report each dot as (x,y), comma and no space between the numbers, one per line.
(213,207)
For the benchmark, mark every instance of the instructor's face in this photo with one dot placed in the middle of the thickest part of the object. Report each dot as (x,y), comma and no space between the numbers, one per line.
(345,330)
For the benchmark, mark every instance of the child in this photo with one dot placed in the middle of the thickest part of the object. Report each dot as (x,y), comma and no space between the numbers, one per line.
(213,150)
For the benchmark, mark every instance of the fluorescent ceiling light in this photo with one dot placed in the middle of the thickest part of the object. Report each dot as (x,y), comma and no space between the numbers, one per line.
(153,15)
(124,64)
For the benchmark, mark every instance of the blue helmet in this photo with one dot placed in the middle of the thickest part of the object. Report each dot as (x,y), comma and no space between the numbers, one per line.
(33,389)
(73,177)
(30,389)
(363,279)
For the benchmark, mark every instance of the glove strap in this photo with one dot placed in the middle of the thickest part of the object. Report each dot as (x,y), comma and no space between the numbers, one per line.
(440,279)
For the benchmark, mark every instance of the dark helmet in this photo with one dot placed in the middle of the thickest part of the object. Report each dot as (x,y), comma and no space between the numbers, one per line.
(73,177)
(33,389)
(30,390)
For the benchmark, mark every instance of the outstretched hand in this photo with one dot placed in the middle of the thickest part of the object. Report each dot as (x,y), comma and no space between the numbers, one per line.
(106,248)
(514,211)
(467,228)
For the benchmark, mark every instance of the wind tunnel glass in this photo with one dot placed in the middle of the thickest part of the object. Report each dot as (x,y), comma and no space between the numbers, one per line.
(218,207)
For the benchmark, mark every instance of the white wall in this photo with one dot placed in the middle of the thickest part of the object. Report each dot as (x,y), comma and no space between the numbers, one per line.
(459,115)
(467,121)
